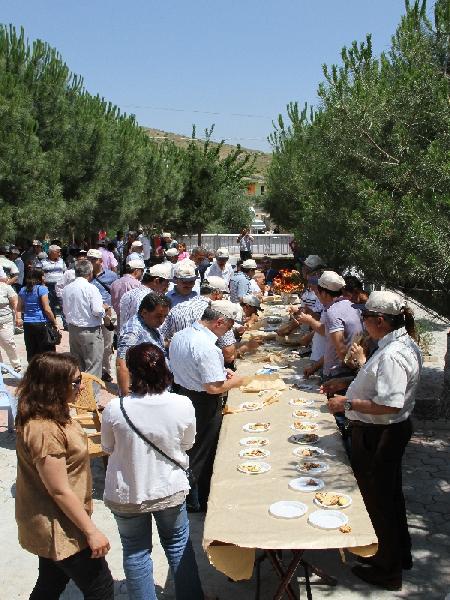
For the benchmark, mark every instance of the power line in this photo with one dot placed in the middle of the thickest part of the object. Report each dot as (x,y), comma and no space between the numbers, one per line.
(198,111)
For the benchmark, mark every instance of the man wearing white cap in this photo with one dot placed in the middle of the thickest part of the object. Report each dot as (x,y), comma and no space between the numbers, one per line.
(184,277)
(221,267)
(136,252)
(167,241)
(132,279)
(240,282)
(311,265)
(171,259)
(54,267)
(198,368)
(378,404)
(156,279)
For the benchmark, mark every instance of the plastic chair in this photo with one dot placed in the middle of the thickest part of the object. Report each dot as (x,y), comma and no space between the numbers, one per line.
(8,402)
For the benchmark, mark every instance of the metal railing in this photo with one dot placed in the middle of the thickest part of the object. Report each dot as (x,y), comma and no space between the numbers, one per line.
(263,243)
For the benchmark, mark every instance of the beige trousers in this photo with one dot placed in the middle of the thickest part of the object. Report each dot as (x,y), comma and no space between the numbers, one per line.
(8,344)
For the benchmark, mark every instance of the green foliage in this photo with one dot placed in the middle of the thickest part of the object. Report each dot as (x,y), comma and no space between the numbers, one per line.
(366,176)
(235,213)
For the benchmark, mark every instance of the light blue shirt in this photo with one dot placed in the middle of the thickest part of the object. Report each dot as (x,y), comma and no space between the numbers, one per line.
(239,286)
(177,298)
(195,359)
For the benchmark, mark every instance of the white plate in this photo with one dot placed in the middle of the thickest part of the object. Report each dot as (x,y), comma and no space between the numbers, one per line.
(254,441)
(301,402)
(273,319)
(287,509)
(328,519)
(315,452)
(260,467)
(311,427)
(310,414)
(323,467)
(251,405)
(299,484)
(335,506)
(249,428)
(245,453)
(303,438)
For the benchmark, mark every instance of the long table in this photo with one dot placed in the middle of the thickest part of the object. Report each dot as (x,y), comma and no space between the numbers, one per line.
(238,520)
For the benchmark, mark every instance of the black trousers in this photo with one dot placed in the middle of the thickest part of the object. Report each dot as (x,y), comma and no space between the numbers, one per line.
(55,302)
(245,254)
(91,575)
(35,338)
(377,452)
(208,415)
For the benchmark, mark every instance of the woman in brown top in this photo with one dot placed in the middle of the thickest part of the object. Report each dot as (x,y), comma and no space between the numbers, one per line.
(54,487)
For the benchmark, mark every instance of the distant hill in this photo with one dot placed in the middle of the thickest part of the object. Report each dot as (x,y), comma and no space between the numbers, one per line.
(262,158)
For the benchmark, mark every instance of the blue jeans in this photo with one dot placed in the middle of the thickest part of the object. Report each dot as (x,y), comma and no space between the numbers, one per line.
(136,535)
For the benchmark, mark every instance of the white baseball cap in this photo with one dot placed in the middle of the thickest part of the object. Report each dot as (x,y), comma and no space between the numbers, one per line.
(172,252)
(163,271)
(136,244)
(248,264)
(384,302)
(216,283)
(251,300)
(313,261)
(228,309)
(36,243)
(166,234)
(222,253)
(331,281)
(94,253)
(185,269)
(136,264)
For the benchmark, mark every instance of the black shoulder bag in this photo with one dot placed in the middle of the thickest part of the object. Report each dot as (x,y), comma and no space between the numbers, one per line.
(152,445)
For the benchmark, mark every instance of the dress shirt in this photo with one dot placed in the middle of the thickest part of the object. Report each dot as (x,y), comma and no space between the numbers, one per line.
(9,267)
(186,314)
(390,378)
(108,259)
(254,287)
(131,301)
(106,278)
(176,298)
(216,271)
(135,332)
(146,246)
(195,359)
(239,286)
(82,304)
(136,473)
(118,289)
(135,256)
(53,270)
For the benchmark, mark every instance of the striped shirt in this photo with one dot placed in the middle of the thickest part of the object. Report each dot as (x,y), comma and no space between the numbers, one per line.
(53,270)
(186,314)
(130,302)
(135,332)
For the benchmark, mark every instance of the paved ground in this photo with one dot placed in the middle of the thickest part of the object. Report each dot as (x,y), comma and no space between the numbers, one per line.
(427,489)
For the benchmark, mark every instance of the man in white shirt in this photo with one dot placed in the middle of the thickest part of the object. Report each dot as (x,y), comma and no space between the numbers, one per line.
(221,266)
(9,267)
(199,373)
(146,245)
(84,312)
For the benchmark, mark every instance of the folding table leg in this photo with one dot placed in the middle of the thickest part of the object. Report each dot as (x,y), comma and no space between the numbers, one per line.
(285,585)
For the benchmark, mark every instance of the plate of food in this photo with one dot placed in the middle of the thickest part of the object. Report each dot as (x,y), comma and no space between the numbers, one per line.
(313,467)
(304,426)
(254,441)
(306,484)
(301,402)
(253,467)
(328,519)
(308,452)
(287,509)
(273,319)
(332,500)
(257,427)
(304,413)
(304,438)
(254,453)
(251,405)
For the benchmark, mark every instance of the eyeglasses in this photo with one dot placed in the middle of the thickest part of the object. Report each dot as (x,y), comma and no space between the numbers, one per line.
(76,384)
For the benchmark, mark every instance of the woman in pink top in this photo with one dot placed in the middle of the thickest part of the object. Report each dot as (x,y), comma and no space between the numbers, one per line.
(182,251)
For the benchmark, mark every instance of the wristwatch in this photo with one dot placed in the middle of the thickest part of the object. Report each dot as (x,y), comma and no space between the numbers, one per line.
(348,405)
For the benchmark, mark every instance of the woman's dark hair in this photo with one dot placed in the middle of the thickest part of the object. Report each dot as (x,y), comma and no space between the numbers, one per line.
(404,319)
(353,283)
(34,277)
(46,388)
(148,369)
(333,294)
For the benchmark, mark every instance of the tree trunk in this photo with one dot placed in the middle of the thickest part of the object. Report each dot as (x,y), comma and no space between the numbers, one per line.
(199,239)
(445,398)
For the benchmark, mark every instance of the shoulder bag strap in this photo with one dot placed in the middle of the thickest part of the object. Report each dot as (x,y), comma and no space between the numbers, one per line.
(104,286)
(143,437)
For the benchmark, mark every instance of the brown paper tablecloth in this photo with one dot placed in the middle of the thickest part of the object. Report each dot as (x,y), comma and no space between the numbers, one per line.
(238,521)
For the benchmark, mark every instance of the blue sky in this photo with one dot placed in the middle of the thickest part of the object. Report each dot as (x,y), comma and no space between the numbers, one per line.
(193,57)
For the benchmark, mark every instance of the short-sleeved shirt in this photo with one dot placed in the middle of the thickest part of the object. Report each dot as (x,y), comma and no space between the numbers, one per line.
(245,243)
(135,332)
(239,286)
(340,316)
(43,527)
(176,298)
(108,259)
(195,359)
(6,293)
(32,306)
(216,271)
(53,270)
(131,301)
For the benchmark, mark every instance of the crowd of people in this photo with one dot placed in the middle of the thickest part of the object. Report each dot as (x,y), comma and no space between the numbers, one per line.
(175,319)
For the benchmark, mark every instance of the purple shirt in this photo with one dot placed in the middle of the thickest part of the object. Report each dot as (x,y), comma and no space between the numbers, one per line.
(108,259)
(118,289)
(340,316)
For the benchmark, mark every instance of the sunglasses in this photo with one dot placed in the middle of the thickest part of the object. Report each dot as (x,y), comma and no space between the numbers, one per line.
(76,384)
